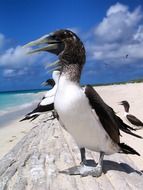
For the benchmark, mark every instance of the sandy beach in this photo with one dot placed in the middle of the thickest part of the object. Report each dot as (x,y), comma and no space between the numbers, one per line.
(11,134)
(113,94)
(37,158)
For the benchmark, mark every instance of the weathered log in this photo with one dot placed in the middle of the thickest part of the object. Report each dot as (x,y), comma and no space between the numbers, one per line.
(33,164)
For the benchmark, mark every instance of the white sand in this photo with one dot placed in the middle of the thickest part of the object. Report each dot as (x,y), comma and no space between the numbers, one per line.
(133,93)
(112,95)
(11,134)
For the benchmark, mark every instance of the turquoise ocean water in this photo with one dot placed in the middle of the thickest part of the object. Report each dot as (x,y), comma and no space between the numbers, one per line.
(17,104)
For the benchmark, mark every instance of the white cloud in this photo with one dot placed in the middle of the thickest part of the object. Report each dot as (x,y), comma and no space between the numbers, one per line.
(119,23)
(16,61)
(14,72)
(16,56)
(8,72)
(119,34)
(138,36)
(116,9)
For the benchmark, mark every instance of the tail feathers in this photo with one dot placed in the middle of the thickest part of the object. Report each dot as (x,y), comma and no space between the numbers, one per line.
(34,117)
(27,117)
(127,149)
(126,128)
(131,133)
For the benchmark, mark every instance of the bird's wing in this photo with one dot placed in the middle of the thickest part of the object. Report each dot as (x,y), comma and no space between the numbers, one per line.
(134,120)
(28,117)
(110,121)
(46,104)
(127,129)
(38,111)
(105,113)
(43,108)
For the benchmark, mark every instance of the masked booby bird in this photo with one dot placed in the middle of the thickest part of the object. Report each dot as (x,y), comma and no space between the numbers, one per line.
(47,102)
(92,123)
(131,118)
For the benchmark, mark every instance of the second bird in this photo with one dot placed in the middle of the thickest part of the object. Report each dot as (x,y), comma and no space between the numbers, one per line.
(131,118)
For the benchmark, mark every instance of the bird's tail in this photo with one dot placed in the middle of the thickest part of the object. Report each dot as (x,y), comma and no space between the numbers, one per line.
(127,129)
(34,117)
(127,149)
(131,133)
(28,117)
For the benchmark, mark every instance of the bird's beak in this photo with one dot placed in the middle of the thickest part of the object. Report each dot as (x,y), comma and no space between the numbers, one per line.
(120,103)
(44,84)
(46,43)
(55,64)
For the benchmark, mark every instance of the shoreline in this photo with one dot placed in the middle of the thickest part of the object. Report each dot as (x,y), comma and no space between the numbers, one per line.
(12,113)
(11,130)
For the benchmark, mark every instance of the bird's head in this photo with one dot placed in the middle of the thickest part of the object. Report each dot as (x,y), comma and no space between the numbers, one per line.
(125,104)
(63,43)
(49,82)
(54,80)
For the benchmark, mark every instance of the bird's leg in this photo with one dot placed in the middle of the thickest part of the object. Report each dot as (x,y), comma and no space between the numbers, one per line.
(83,158)
(54,114)
(92,170)
(98,168)
(52,117)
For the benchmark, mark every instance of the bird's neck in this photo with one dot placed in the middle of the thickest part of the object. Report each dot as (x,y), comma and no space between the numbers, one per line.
(72,72)
(126,109)
(72,61)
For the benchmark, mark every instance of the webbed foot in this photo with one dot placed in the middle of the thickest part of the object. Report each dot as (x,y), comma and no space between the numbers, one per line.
(84,170)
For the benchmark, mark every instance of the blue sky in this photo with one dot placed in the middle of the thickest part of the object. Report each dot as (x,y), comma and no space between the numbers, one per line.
(109,29)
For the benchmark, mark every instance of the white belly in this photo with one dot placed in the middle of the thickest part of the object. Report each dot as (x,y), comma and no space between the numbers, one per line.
(79,119)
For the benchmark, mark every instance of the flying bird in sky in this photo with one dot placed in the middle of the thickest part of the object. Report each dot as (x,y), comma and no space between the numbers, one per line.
(127,55)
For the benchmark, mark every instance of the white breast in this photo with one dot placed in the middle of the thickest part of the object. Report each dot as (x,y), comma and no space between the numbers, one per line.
(78,118)
(51,92)
(126,113)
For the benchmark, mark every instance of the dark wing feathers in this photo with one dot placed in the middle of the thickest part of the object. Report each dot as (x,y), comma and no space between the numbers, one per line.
(110,121)
(127,149)
(48,107)
(27,117)
(104,112)
(127,129)
(134,120)
(36,112)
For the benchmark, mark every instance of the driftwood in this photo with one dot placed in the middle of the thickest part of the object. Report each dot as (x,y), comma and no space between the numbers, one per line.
(34,164)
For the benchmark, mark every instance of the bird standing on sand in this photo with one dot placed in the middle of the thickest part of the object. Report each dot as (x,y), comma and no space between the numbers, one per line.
(131,118)
(47,102)
(91,122)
